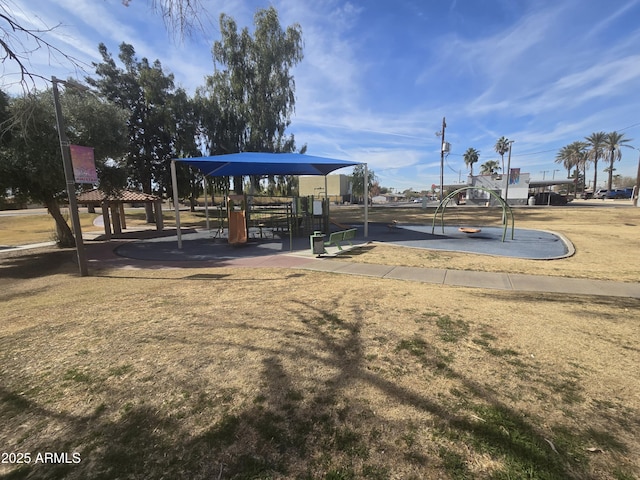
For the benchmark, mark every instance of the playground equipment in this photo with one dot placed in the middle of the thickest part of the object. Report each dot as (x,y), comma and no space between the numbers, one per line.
(237,219)
(270,216)
(506,211)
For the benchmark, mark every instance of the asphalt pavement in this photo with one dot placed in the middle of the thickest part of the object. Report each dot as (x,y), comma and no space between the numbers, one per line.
(204,249)
(208,249)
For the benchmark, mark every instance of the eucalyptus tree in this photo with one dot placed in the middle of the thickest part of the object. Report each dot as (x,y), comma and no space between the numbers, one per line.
(596,144)
(185,127)
(502,147)
(147,93)
(613,142)
(490,167)
(30,159)
(470,157)
(251,93)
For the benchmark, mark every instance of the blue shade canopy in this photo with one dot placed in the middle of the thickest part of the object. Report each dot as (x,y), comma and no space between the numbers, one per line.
(254,163)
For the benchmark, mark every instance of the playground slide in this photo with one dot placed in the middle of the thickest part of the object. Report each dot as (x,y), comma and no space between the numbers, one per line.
(237,228)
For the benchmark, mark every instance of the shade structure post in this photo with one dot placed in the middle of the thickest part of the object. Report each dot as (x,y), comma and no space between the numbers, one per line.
(206,203)
(366,200)
(174,183)
(327,228)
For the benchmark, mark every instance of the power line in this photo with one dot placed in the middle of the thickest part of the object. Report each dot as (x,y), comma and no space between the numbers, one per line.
(630,126)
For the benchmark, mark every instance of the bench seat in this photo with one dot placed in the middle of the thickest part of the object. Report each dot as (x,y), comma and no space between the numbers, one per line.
(336,238)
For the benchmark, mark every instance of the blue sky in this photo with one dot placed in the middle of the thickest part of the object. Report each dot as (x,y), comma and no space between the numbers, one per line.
(379,76)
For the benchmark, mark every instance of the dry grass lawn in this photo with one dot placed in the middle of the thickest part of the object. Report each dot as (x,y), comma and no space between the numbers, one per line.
(286,374)
(606,239)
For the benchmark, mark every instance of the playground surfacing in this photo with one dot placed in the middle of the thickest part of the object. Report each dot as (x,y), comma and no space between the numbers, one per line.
(208,245)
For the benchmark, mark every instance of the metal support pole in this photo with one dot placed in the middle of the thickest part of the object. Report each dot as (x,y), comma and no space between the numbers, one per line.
(174,183)
(506,189)
(442,144)
(206,203)
(327,226)
(637,190)
(70,181)
(366,200)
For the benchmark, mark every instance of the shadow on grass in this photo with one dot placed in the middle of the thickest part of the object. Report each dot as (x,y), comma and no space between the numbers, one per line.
(32,264)
(326,431)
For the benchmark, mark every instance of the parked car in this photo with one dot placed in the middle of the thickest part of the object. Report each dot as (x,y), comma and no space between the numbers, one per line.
(614,194)
(550,198)
(623,193)
(586,195)
(601,194)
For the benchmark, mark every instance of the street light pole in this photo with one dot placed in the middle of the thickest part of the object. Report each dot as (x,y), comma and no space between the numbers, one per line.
(506,189)
(69,179)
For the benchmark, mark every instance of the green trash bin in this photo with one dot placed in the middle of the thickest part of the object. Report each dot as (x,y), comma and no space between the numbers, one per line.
(317,243)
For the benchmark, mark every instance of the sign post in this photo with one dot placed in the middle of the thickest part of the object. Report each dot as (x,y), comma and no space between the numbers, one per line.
(70,182)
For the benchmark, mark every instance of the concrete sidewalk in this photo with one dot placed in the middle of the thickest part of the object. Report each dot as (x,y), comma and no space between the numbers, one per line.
(464,278)
(104,255)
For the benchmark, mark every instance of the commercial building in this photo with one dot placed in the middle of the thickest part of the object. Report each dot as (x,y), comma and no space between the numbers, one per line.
(338,187)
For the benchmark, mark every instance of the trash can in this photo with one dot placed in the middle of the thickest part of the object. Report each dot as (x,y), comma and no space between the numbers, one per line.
(532,201)
(317,243)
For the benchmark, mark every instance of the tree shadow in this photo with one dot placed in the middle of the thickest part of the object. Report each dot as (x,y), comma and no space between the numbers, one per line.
(38,263)
(301,425)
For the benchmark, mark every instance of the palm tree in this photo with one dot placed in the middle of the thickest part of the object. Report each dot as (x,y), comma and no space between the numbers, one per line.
(471,156)
(573,156)
(613,143)
(596,145)
(502,147)
(490,167)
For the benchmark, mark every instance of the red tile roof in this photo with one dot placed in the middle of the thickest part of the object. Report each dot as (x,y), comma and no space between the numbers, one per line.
(97,196)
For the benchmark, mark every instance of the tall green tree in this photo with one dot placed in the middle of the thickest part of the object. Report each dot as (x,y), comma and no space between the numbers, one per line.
(470,157)
(30,157)
(502,147)
(613,143)
(596,145)
(358,181)
(185,127)
(252,91)
(146,92)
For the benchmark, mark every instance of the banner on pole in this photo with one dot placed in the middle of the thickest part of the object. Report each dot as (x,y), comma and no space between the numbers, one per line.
(514,176)
(84,165)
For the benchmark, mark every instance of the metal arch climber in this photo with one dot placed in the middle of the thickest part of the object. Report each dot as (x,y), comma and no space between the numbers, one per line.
(506,209)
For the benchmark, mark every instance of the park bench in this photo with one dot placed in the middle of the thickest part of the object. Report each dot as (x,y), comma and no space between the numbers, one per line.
(336,238)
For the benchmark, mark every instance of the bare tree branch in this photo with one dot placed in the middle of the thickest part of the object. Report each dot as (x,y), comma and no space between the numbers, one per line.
(18,43)
(181,17)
